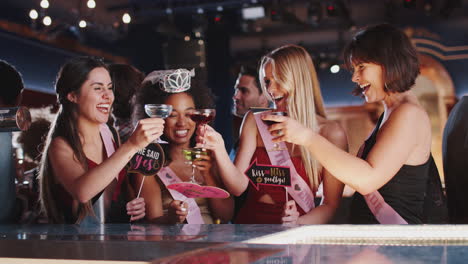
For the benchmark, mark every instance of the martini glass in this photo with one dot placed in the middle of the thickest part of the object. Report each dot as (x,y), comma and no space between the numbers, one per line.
(158,110)
(191,155)
(202,116)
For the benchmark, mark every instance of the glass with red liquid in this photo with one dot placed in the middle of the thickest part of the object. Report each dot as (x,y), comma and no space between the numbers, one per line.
(276,146)
(202,116)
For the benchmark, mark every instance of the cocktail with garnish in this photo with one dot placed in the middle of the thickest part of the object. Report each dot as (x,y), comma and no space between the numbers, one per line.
(191,155)
(158,110)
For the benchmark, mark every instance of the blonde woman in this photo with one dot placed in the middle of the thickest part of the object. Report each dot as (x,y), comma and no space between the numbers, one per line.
(288,76)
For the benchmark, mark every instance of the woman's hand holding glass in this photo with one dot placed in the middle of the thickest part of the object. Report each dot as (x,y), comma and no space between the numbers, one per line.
(287,129)
(146,131)
(208,138)
(136,209)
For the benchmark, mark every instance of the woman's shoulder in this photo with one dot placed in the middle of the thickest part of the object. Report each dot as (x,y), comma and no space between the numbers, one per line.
(410,113)
(59,144)
(330,128)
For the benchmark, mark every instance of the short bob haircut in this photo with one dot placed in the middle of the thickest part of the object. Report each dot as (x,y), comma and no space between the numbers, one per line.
(388,47)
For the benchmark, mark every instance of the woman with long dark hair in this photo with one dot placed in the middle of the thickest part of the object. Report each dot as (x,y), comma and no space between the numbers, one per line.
(81,175)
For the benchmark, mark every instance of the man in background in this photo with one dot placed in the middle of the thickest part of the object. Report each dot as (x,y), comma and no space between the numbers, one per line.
(248,93)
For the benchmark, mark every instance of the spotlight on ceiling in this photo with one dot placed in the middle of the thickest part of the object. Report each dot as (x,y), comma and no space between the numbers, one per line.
(44,4)
(126,18)
(47,21)
(33,14)
(91,4)
(82,24)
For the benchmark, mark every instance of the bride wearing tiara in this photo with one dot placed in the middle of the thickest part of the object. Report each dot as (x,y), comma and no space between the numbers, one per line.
(163,206)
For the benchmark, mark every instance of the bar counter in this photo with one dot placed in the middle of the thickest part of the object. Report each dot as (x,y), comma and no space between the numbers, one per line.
(272,244)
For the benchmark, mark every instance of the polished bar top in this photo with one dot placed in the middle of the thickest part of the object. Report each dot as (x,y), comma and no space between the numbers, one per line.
(145,243)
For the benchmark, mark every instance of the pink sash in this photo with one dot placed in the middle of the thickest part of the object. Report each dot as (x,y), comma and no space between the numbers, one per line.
(167,176)
(299,190)
(383,212)
(107,138)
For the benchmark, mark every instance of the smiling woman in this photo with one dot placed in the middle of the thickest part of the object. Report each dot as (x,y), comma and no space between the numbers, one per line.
(163,206)
(81,176)
(288,75)
(394,167)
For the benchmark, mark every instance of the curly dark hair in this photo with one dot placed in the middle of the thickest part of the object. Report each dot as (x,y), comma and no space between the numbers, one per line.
(388,47)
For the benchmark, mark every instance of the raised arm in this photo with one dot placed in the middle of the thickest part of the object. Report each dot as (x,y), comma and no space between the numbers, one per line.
(84,185)
(404,130)
(232,174)
(332,187)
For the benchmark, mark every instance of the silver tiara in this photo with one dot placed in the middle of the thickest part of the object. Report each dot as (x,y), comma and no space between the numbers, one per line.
(171,81)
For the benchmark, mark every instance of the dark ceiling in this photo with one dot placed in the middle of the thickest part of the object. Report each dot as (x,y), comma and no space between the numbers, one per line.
(323,25)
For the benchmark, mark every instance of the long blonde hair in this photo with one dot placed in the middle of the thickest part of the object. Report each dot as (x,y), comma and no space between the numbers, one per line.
(294,71)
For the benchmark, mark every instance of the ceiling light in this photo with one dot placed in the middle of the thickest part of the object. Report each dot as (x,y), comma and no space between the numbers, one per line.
(47,20)
(44,4)
(82,24)
(33,14)
(126,18)
(91,4)
(335,68)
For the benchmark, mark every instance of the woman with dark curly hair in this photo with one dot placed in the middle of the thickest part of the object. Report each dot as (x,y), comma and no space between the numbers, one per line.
(179,131)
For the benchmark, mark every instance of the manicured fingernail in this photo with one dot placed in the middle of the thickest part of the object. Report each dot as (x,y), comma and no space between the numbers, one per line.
(183,209)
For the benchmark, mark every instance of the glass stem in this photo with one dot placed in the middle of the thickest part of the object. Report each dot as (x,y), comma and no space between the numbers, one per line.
(193,173)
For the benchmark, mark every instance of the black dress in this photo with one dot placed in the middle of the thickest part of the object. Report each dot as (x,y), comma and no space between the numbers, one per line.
(405,192)
(455,155)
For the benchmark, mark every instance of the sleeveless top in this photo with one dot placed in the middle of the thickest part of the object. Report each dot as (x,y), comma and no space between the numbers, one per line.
(117,212)
(255,212)
(405,192)
(202,203)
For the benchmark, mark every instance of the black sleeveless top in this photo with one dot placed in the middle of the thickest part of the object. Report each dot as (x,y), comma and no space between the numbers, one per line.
(405,192)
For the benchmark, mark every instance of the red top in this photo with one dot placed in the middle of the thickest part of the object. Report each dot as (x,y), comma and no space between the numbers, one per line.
(65,200)
(255,212)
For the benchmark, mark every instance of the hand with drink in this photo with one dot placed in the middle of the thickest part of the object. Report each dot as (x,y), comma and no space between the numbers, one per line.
(202,117)
(199,158)
(158,110)
(146,131)
(287,129)
(212,140)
